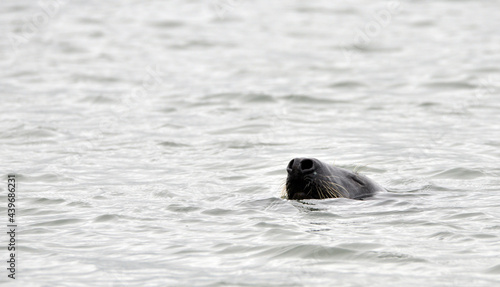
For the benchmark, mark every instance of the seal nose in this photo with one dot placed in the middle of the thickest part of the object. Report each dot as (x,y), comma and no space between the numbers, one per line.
(300,166)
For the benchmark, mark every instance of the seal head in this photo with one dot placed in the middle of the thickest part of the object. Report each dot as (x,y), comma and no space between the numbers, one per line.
(309,178)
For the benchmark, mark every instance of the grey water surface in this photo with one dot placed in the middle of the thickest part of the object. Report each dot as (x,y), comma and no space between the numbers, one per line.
(150,139)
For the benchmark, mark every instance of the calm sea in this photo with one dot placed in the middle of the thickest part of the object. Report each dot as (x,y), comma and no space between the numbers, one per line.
(149,140)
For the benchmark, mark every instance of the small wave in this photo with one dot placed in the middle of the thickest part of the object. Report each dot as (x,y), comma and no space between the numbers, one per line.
(47,201)
(59,222)
(493,270)
(347,84)
(173,144)
(450,85)
(297,98)
(307,251)
(244,97)
(106,217)
(167,24)
(459,173)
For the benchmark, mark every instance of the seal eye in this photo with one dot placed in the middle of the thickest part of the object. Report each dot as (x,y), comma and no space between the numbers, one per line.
(358,181)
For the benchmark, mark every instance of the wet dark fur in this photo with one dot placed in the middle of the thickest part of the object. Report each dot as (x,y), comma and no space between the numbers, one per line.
(309,178)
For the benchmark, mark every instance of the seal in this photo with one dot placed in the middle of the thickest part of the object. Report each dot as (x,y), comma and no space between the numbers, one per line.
(309,178)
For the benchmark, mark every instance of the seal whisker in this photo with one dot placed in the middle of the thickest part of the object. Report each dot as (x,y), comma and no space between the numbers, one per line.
(320,194)
(339,185)
(329,188)
(334,191)
(309,192)
(308,176)
(318,191)
(324,187)
(283,189)
(337,191)
(358,167)
(321,191)
(329,192)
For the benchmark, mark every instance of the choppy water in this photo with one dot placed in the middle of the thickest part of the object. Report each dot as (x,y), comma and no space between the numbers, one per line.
(150,140)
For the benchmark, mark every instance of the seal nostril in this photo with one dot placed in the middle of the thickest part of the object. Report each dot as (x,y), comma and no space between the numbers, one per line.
(306,164)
